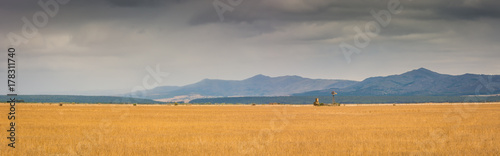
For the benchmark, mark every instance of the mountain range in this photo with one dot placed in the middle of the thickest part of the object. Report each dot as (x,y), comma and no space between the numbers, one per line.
(259,85)
(419,82)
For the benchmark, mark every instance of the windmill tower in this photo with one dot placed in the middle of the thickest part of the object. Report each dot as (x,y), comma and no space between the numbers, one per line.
(333,97)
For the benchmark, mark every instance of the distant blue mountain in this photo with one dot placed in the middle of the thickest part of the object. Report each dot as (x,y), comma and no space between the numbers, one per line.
(259,85)
(419,82)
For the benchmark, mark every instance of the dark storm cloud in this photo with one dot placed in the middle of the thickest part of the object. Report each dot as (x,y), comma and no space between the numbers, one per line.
(300,10)
(118,38)
(143,3)
(468,13)
(315,10)
(339,10)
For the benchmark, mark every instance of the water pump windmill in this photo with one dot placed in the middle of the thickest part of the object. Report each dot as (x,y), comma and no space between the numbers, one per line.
(333,97)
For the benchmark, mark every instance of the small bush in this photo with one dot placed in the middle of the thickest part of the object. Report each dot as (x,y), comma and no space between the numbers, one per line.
(253,104)
(175,104)
(135,104)
(60,104)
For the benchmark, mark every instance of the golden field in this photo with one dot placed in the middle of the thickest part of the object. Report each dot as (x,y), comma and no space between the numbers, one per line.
(99,129)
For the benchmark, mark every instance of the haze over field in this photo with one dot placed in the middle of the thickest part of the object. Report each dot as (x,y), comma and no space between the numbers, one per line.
(106,47)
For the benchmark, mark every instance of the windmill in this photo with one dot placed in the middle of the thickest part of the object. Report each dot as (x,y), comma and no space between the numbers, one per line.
(333,97)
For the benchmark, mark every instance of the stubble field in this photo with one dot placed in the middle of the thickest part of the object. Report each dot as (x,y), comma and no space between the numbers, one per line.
(98,129)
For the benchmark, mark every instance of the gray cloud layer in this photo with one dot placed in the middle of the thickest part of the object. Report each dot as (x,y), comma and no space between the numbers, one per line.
(100,45)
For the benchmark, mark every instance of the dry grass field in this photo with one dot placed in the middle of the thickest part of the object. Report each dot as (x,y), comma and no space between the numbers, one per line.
(43,129)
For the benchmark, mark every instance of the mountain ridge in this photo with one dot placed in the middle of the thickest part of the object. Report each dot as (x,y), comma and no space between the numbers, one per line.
(418,82)
(258,85)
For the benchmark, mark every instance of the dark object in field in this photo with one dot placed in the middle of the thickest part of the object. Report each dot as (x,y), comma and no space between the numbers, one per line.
(316,103)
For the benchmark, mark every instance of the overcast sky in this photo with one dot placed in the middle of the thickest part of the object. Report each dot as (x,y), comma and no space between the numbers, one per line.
(97,45)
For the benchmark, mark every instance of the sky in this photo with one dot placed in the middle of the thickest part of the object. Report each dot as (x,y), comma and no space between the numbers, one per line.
(110,46)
